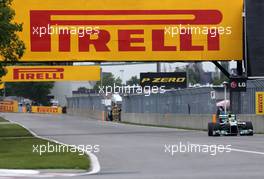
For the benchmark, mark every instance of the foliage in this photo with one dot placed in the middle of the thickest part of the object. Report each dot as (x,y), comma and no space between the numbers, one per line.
(11,47)
(133,81)
(108,79)
(36,91)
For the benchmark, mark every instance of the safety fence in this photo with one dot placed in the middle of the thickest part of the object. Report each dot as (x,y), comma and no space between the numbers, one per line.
(188,101)
(247,100)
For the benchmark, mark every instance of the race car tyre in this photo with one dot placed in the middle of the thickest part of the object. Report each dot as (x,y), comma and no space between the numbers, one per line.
(217,128)
(233,131)
(213,127)
(210,129)
(249,125)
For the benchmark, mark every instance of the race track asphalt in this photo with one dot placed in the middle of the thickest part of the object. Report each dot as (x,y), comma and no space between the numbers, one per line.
(139,152)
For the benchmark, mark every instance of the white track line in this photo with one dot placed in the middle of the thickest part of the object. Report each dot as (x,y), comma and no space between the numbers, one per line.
(95,165)
(247,151)
(233,149)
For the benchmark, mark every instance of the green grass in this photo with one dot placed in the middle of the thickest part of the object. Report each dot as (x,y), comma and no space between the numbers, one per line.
(16,152)
(3,120)
(13,130)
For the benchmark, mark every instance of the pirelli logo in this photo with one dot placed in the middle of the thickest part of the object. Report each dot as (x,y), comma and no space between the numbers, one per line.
(168,80)
(51,73)
(42,43)
(8,106)
(260,103)
(46,109)
(131,30)
(38,73)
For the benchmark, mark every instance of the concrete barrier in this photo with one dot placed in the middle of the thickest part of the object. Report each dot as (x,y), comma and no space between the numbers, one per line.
(91,113)
(258,121)
(193,121)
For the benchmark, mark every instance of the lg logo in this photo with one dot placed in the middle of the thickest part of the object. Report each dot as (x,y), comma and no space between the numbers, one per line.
(233,84)
(238,85)
(242,85)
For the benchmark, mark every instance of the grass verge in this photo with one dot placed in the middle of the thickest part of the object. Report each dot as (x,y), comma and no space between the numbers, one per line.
(2,119)
(16,152)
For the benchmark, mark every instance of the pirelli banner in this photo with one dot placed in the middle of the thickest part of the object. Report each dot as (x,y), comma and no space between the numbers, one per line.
(130,30)
(8,106)
(51,73)
(167,80)
(46,109)
(260,103)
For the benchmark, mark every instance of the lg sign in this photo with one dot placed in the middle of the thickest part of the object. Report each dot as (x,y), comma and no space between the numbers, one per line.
(127,39)
(235,84)
(238,84)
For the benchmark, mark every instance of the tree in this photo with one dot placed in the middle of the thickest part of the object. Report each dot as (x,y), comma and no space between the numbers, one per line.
(133,81)
(11,47)
(219,81)
(194,76)
(193,73)
(36,91)
(82,89)
(108,79)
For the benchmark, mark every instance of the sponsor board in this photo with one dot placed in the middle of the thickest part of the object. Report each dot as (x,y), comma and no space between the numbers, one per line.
(260,103)
(238,84)
(46,109)
(142,30)
(168,80)
(8,106)
(51,73)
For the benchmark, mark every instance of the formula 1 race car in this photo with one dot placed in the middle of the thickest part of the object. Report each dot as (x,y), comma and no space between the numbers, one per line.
(227,124)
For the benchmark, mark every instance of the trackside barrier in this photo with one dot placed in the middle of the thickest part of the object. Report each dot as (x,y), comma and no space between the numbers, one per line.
(8,106)
(46,109)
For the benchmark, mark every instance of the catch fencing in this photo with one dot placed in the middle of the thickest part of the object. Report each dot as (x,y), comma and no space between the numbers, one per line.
(188,101)
(248,99)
